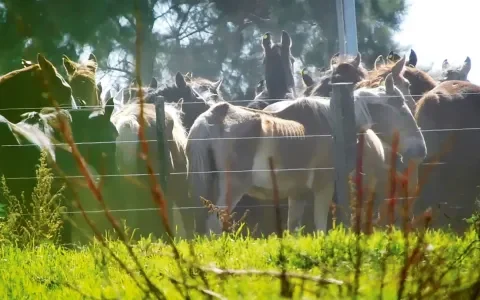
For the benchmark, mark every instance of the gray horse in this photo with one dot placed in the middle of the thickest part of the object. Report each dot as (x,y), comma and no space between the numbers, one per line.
(228,148)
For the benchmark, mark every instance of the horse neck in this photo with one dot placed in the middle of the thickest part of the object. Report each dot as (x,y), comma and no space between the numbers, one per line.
(278,85)
(363,118)
(14,94)
(191,111)
(420,82)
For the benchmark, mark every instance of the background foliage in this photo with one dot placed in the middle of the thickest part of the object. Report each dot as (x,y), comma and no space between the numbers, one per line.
(209,38)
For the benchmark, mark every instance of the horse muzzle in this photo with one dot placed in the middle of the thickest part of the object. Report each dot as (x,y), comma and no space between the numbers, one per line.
(416,151)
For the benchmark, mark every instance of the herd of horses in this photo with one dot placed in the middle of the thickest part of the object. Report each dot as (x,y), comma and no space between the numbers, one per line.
(219,149)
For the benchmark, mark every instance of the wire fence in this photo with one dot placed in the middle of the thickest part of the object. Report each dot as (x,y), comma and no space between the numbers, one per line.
(209,172)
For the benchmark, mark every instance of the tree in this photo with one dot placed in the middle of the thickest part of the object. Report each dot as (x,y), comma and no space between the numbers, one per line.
(217,38)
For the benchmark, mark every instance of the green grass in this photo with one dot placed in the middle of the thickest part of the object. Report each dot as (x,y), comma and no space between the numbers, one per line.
(449,263)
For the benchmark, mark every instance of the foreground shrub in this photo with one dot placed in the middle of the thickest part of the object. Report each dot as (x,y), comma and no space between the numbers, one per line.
(32,220)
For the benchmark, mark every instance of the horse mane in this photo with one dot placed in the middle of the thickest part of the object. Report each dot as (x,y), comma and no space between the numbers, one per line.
(25,70)
(179,132)
(130,113)
(375,77)
(171,90)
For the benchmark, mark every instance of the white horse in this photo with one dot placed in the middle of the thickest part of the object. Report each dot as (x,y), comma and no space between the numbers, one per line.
(127,122)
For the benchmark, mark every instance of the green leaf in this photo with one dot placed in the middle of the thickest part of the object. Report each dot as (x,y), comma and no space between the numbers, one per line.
(3,211)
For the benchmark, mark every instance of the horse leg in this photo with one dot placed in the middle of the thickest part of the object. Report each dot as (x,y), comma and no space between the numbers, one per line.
(296,209)
(321,206)
(230,193)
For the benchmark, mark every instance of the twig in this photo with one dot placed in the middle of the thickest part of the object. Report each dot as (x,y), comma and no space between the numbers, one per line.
(286,287)
(277,274)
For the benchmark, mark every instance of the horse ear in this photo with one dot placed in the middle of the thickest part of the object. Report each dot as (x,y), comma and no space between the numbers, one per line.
(379,62)
(389,84)
(68,65)
(397,69)
(467,65)
(267,41)
(179,104)
(333,60)
(307,80)
(180,80)
(45,65)
(390,56)
(153,83)
(26,63)
(109,93)
(358,59)
(445,64)
(412,59)
(286,40)
(92,57)
(216,85)
(393,57)
(109,107)
(99,88)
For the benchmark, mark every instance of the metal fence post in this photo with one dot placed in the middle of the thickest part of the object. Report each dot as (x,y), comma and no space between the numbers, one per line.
(345,139)
(162,143)
(347,27)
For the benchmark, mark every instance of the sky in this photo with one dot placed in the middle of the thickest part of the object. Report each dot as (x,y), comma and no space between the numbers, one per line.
(443,29)
(436,30)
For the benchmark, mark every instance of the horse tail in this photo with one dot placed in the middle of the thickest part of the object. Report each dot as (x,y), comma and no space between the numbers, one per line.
(200,169)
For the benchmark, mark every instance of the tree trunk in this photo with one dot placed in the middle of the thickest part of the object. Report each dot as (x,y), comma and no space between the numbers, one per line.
(145,18)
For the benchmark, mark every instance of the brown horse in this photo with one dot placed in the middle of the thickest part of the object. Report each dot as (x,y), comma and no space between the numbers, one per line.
(81,78)
(450,187)
(32,88)
(420,81)
(21,143)
(342,69)
(393,57)
(279,80)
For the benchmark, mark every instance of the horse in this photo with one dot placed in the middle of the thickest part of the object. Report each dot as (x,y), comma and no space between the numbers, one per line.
(259,92)
(394,57)
(342,69)
(81,78)
(22,143)
(279,80)
(450,72)
(450,184)
(32,88)
(420,81)
(127,122)
(404,86)
(238,141)
(197,93)
(133,92)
